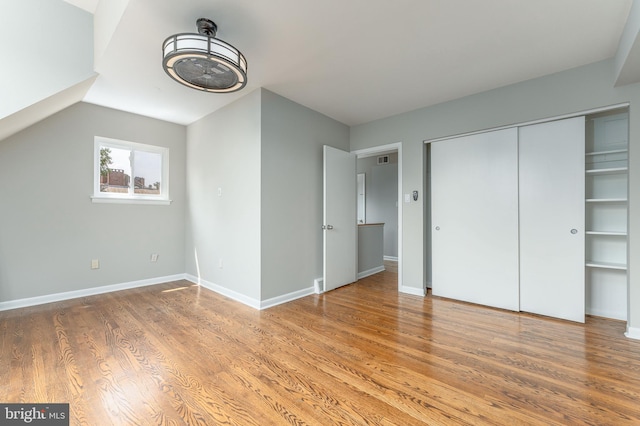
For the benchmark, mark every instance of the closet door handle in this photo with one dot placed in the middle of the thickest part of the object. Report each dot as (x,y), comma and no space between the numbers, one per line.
(574,231)
(437,228)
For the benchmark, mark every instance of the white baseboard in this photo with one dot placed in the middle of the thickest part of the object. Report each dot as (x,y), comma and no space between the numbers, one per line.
(238,297)
(633,333)
(412,290)
(249,301)
(286,297)
(67,295)
(392,258)
(370,271)
(254,303)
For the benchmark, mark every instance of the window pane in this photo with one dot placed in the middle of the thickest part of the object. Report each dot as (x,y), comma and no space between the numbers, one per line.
(115,170)
(147,167)
(130,171)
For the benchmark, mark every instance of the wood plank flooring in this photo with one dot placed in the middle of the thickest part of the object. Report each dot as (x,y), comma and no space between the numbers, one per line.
(177,354)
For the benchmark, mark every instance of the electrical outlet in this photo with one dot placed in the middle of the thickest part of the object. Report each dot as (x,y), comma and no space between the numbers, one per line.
(154,257)
(219,192)
(220,263)
(95,264)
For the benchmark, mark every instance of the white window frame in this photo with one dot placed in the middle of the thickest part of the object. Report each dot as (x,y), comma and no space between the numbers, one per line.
(130,197)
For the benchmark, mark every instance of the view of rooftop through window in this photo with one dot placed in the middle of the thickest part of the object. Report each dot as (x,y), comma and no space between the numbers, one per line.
(118,165)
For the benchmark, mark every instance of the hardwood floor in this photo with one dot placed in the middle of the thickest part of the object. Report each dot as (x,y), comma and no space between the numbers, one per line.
(362,354)
(391,266)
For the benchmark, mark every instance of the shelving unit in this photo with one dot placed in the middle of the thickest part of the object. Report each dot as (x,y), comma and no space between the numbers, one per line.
(606,166)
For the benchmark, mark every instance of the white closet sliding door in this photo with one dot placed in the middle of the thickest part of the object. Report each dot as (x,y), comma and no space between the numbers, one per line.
(552,227)
(475,218)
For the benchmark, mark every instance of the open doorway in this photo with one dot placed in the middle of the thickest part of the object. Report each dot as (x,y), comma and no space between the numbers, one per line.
(381,170)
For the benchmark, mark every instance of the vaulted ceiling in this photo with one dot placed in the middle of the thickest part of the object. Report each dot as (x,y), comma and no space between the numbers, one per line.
(355,61)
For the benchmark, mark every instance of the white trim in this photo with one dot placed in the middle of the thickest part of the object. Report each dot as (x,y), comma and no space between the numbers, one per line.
(633,333)
(278,300)
(318,285)
(366,152)
(528,123)
(238,297)
(371,271)
(391,258)
(412,290)
(249,301)
(400,218)
(67,295)
(114,200)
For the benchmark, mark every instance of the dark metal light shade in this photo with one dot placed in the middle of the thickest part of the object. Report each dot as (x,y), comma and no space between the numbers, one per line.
(203,62)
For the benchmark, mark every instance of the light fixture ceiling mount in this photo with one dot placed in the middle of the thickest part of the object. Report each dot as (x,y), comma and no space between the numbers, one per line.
(203,62)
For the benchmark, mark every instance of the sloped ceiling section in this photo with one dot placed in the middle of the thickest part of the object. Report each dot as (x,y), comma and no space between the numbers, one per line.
(44,108)
(51,51)
(628,55)
(88,5)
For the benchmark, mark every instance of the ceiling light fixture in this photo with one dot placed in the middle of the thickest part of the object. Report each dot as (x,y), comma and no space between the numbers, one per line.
(203,62)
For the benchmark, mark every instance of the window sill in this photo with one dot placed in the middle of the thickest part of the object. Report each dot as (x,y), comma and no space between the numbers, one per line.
(122,200)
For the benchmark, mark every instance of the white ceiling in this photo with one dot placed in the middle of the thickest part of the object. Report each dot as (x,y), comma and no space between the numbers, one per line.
(354,60)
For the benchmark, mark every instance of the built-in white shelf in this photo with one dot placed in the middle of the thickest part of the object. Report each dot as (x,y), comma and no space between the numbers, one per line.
(614,234)
(607,171)
(613,151)
(606,213)
(606,265)
(606,200)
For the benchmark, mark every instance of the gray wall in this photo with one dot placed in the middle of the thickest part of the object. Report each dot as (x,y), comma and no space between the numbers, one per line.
(291,185)
(49,228)
(265,152)
(566,92)
(381,189)
(223,151)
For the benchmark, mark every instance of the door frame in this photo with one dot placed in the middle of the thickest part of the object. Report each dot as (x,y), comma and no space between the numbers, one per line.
(370,152)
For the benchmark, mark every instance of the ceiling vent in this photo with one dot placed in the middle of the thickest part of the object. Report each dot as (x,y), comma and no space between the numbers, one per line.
(383,159)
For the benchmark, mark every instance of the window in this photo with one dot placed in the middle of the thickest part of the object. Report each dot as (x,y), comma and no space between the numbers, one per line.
(130,172)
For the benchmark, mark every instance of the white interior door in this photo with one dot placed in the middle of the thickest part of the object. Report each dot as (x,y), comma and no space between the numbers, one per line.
(339,218)
(552,219)
(474,220)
